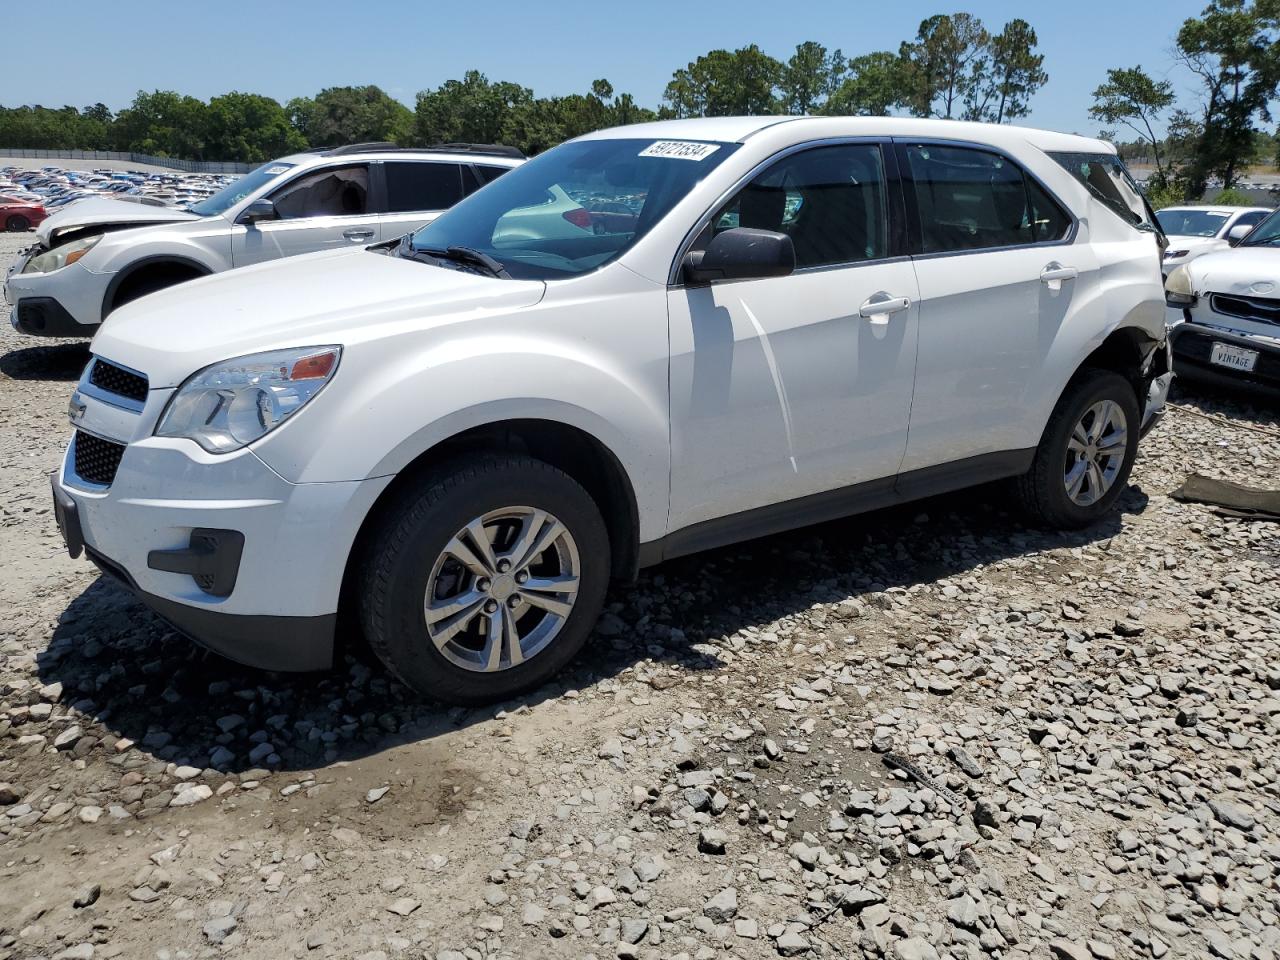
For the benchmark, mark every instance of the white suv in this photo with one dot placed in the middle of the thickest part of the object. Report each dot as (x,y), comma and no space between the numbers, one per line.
(757,323)
(101,252)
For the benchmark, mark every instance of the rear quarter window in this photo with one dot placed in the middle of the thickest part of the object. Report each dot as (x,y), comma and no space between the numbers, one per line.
(1104,175)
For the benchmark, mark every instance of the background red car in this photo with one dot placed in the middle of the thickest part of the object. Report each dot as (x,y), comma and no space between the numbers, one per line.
(18,215)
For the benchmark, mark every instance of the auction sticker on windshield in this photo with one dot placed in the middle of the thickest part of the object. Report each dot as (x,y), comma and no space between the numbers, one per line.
(679,150)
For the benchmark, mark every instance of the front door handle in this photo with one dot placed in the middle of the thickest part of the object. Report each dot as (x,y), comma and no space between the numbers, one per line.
(880,306)
(1054,273)
(356,234)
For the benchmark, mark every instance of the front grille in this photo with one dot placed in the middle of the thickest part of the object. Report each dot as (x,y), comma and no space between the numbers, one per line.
(117,380)
(1257,309)
(96,459)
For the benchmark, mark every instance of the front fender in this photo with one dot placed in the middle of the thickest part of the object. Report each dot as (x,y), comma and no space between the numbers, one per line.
(208,247)
(389,404)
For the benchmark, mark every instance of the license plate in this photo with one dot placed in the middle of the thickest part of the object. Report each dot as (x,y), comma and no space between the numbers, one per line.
(1236,358)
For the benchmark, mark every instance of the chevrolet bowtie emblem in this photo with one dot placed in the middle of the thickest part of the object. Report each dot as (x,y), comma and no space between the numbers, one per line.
(76,408)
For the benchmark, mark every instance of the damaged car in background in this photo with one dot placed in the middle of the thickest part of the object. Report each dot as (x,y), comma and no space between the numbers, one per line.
(103,252)
(1224,313)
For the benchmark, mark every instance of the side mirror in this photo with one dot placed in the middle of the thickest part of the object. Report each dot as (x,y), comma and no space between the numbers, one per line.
(743,253)
(1239,232)
(260,209)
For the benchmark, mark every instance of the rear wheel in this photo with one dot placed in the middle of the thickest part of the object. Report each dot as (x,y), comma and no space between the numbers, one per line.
(17,223)
(1086,453)
(484,578)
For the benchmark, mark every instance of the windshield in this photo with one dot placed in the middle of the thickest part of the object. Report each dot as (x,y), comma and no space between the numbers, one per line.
(237,190)
(575,207)
(1265,234)
(1105,176)
(1191,223)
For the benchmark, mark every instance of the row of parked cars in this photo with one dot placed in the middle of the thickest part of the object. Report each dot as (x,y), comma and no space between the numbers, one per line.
(449,395)
(55,187)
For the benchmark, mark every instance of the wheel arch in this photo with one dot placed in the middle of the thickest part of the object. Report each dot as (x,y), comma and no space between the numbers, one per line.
(144,265)
(580,454)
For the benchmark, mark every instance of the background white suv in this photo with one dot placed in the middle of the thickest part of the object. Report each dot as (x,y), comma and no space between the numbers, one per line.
(101,253)
(757,323)
(1197,230)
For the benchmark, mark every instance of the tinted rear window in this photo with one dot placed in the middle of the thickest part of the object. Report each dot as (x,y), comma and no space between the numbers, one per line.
(422,186)
(1105,176)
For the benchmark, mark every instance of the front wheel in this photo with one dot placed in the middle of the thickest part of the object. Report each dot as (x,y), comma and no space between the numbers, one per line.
(484,578)
(17,223)
(1086,453)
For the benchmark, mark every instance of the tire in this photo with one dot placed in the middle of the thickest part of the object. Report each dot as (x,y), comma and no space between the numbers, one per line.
(17,224)
(1043,490)
(410,560)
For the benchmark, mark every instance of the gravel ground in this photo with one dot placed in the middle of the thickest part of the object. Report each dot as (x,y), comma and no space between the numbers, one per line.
(928,732)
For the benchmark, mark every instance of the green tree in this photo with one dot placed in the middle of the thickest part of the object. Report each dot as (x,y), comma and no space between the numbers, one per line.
(1013,73)
(163,123)
(470,110)
(339,115)
(1132,97)
(944,65)
(873,86)
(249,128)
(1232,49)
(810,77)
(723,84)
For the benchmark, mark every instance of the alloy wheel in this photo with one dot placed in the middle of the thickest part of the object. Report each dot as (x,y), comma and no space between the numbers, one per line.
(1096,452)
(502,589)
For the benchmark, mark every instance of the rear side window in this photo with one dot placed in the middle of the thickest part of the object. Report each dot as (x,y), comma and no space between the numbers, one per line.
(1250,219)
(414,186)
(1105,176)
(971,199)
(490,174)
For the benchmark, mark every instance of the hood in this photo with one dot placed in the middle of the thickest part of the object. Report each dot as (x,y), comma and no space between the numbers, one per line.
(340,296)
(1181,241)
(107,212)
(1244,271)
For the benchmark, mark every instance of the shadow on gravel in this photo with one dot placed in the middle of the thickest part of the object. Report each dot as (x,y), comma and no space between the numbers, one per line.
(55,361)
(1246,404)
(127,669)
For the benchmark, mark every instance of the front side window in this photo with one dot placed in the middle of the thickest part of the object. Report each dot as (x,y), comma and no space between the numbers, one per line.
(414,186)
(1190,223)
(831,201)
(1104,175)
(237,190)
(335,192)
(971,199)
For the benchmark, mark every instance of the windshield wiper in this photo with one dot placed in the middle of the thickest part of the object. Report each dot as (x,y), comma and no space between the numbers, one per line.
(467,255)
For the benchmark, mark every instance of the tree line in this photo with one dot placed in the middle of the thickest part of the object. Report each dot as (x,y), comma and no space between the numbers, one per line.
(954,67)
(1232,52)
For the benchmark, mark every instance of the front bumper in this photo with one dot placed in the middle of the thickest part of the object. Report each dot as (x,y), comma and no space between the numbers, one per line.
(64,303)
(1192,345)
(235,557)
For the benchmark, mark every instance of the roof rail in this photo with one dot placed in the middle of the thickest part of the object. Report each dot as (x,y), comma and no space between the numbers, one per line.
(361,148)
(493,149)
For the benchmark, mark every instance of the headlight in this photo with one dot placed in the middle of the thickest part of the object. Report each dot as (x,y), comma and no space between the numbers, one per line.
(61,256)
(1175,254)
(231,404)
(1178,291)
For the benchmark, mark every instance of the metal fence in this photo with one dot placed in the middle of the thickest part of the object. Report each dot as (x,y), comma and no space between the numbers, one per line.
(187,166)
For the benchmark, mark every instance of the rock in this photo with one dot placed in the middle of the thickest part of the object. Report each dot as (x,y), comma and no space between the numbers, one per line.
(965,761)
(611,749)
(87,895)
(68,737)
(914,948)
(963,912)
(723,907)
(1068,950)
(600,896)
(746,928)
(532,915)
(404,906)
(633,930)
(9,794)
(376,794)
(81,951)
(218,929)
(712,840)
(192,794)
(791,944)
(1232,815)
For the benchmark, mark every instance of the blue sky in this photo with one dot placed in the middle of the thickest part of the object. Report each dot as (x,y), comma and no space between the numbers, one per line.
(106,52)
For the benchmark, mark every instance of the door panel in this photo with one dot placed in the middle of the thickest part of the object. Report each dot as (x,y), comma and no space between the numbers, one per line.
(987,326)
(780,389)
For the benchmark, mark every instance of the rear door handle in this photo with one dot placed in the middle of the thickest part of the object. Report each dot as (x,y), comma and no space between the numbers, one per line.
(1054,273)
(358,233)
(880,306)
